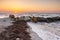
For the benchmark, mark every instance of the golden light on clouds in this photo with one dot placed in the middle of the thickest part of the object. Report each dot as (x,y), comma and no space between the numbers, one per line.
(29,5)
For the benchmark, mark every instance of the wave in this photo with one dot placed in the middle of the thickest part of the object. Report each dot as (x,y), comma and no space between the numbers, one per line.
(46,31)
(45,15)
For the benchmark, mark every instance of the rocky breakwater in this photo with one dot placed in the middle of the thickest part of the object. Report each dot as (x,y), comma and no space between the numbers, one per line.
(17,31)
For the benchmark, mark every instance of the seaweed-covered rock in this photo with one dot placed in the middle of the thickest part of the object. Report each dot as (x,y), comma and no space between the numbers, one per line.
(17,30)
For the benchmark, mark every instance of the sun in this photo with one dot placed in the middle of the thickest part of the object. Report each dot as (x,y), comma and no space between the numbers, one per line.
(13,6)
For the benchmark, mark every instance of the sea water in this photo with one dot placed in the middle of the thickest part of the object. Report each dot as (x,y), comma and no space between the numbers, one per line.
(46,31)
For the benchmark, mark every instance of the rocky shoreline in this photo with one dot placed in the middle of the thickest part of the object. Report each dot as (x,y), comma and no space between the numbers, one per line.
(36,19)
(21,31)
(18,31)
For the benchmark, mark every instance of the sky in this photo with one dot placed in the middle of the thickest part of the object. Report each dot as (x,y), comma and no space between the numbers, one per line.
(30,6)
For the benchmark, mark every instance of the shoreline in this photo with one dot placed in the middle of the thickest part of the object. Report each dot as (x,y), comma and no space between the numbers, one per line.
(34,36)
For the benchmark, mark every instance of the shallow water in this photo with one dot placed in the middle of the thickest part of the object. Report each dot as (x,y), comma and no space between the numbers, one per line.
(4,22)
(46,31)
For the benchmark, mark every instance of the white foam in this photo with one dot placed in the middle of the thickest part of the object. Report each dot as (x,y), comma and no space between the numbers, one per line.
(3,16)
(44,34)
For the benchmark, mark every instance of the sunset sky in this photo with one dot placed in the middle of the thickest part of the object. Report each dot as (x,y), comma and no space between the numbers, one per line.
(30,5)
